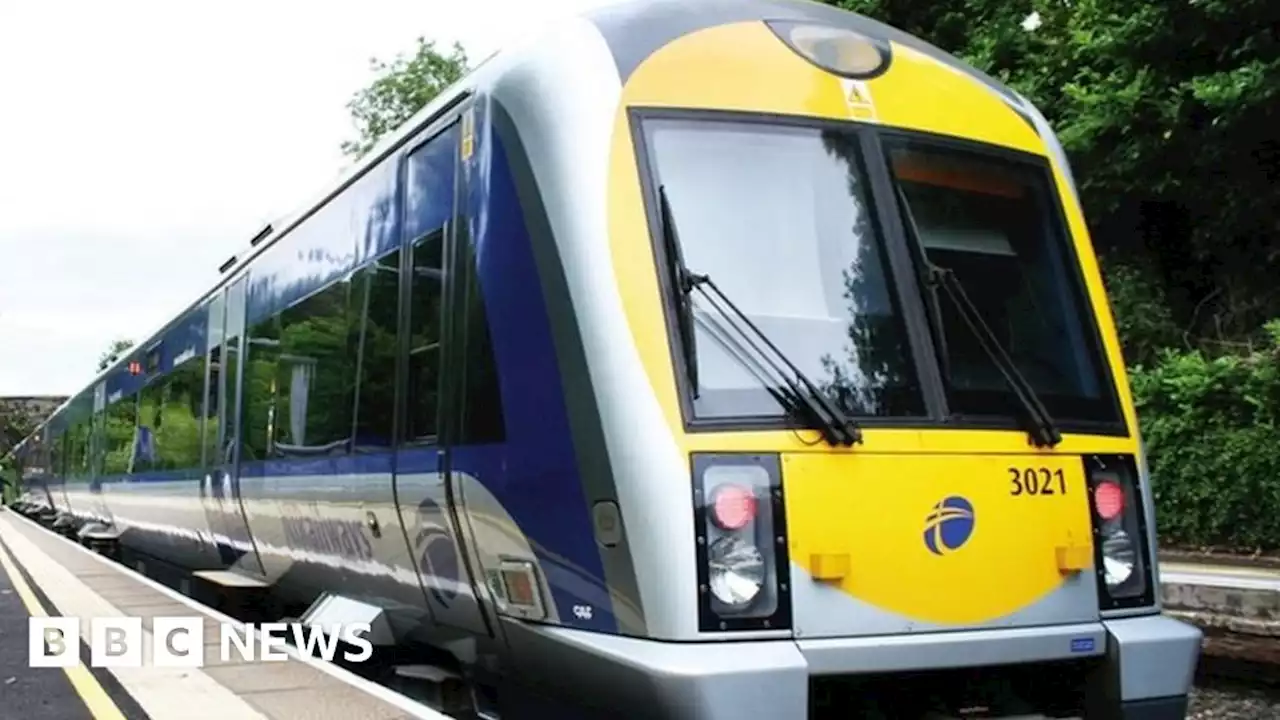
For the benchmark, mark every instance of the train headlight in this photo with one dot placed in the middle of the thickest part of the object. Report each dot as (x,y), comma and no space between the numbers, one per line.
(737,571)
(1118,559)
(836,50)
(741,543)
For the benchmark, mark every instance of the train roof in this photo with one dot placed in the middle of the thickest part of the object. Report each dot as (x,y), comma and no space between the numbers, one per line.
(632,30)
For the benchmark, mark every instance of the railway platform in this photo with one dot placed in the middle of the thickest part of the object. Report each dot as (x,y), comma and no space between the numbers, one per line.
(46,575)
(1237,605)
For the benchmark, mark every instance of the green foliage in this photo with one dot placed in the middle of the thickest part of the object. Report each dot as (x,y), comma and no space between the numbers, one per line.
(113,353)
(1212,425)
(404,86)
(15,424)
(1141,312)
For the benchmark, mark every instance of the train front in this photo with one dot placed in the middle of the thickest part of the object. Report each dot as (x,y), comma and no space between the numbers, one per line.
(891,366)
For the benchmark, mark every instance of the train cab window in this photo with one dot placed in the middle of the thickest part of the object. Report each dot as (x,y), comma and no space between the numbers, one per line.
(778,216)
(425,305)
(992,222)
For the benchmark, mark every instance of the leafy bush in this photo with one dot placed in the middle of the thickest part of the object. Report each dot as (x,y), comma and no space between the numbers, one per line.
(1210,423)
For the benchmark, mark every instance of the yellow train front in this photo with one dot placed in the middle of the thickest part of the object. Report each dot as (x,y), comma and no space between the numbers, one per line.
(864,402)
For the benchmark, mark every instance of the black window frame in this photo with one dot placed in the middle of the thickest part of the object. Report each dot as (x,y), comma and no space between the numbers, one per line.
(903,272)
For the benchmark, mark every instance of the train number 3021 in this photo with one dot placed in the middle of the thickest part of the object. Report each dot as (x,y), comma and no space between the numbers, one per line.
(1037,481)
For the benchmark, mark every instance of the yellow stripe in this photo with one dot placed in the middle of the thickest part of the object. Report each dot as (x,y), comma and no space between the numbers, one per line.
(87,687)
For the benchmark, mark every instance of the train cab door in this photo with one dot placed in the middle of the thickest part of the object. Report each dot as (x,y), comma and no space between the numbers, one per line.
(439,536)
(220,485)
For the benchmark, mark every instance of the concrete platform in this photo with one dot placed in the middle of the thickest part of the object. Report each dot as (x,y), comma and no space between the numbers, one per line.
(1237,607)
(1243,599)
(47,575)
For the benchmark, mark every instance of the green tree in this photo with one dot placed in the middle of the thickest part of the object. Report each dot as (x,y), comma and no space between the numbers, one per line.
(114,351)
(403,86)
(15,424)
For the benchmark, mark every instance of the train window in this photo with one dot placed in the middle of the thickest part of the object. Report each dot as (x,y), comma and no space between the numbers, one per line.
(425,304)
(178,434)
(148,448)
(376,299)
(778,216)
(991,221)
(314,369)
(261,390)
(80,458)
(118,434)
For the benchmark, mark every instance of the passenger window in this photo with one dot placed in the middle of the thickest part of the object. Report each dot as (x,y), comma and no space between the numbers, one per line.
(260,389)
(118,435)
(147,446)
(178,437)
(376,299)
(425,301)
(314,373)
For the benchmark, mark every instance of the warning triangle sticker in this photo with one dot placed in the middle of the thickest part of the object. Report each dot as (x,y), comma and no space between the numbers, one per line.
(857,97)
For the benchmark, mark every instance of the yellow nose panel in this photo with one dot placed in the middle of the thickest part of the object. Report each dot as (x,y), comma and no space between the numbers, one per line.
(947,539)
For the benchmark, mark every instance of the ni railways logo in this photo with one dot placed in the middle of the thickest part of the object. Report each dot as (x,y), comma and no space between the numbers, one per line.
(435,552)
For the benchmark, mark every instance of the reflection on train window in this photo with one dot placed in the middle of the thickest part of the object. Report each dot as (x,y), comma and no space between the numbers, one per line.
(778,216)
(314,369)
(258,416)
(78,446)
(118,431)
(425,298)
(298,381)
(991,222)
(376,299)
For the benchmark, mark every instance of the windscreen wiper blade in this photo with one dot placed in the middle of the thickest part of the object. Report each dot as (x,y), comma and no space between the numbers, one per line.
(680,279)
(801,392)
(1044,433)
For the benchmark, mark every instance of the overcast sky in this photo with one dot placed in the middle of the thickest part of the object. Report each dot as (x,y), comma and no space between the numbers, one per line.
(145,141)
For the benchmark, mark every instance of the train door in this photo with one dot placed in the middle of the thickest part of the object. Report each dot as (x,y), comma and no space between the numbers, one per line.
(220,489)
(429,505)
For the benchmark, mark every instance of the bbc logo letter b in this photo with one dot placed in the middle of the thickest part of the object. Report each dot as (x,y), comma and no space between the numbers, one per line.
(53,642)
(115,642)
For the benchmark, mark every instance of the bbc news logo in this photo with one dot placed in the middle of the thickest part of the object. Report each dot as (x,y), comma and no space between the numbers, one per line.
(116,642)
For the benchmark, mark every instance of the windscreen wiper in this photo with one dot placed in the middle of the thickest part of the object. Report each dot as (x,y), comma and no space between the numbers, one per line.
(1044,433)
(800,395)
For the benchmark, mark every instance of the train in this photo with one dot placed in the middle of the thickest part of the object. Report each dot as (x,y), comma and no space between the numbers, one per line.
(702,360)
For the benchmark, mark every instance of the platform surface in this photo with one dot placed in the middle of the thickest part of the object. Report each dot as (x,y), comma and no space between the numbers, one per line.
(1218,575)
(45,574)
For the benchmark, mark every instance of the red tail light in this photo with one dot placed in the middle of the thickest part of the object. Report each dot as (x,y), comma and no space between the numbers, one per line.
(733,507)
(1108,500)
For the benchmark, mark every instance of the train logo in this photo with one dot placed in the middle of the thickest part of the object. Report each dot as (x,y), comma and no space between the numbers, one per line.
(949,525)
(437,553)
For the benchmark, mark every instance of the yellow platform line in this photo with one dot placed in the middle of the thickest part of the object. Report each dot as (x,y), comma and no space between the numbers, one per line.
(87,686)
